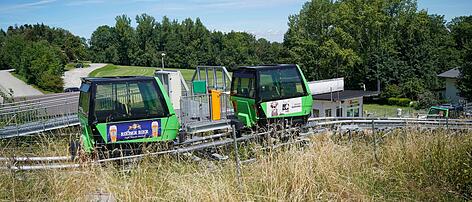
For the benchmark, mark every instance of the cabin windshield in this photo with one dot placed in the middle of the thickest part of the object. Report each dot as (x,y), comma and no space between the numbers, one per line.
(244,84)
(130,100)
(435,112)
(283,83)
(84,99)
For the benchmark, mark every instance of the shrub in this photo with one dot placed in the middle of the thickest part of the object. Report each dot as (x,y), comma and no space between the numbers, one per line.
(412,88)
(426,100)
(404,102)
(391,91)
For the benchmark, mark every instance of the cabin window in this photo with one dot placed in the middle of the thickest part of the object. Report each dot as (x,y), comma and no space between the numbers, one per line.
(283,83)
(244,85)
(84,99)
(129,101)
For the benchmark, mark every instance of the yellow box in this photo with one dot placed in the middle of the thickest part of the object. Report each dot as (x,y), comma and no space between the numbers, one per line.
(215,105)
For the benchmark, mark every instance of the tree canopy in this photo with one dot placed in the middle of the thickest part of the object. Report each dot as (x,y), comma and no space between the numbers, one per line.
(38,53)
(369,41)
(186,44)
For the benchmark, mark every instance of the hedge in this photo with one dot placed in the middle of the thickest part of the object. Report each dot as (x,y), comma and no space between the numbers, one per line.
(404,102)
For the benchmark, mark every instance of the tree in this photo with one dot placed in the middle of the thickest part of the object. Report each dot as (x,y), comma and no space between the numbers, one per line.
(103,45)
(461,29)
(43,66)
(124,35)
(465,80)
(145,50)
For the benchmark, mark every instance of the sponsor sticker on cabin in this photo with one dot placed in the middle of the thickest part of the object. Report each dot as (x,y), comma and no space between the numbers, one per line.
(133,130)
(283,107)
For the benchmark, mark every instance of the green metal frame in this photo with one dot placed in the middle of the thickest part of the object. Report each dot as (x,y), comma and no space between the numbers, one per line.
(430,115)
(169,126)
(246,107)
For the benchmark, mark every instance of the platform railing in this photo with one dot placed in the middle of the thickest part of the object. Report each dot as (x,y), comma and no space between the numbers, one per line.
(38,115)
(196,109)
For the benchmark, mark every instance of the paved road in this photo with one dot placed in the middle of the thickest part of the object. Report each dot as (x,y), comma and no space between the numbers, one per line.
(20,88)
(72,77)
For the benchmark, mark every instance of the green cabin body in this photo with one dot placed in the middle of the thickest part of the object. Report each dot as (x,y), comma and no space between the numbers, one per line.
(263,93)
(118,111)
(438,112)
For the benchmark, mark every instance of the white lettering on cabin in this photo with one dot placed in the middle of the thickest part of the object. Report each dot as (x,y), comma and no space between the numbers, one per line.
(133,133)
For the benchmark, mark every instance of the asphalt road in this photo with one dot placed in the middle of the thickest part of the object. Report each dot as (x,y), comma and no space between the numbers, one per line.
(72,77)
(20,88)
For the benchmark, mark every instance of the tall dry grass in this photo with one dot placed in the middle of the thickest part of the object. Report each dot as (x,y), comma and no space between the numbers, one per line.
(410,165)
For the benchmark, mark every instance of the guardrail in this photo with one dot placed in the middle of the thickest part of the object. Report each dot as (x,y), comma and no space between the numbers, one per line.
(38,115)
(355,123)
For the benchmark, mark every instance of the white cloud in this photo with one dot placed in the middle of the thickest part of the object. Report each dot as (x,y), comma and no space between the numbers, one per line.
(218,4)
(26,5)
(84,2)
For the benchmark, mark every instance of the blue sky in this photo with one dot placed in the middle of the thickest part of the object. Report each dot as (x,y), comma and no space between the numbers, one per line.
(264,18)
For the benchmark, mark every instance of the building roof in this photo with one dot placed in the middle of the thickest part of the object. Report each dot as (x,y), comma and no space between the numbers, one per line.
(452,73)
(344,95)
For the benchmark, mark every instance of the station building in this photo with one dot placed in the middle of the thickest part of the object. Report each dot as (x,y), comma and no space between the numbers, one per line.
(331,100)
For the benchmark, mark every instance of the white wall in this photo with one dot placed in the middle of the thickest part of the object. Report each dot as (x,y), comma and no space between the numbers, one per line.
(452,93)
(322,105)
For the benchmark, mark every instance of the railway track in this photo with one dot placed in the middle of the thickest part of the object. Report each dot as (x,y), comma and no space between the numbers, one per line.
(314,126)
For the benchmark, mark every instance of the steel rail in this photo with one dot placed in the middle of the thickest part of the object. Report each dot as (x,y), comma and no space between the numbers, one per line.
(207,142)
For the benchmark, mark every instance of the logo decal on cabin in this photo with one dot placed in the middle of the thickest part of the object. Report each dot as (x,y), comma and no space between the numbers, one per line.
(283,107)
(134,127)
(133,130)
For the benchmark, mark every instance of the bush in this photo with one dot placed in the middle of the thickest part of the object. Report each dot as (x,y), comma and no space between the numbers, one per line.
(391,91)
(426,100)
(403,102)
(412,89)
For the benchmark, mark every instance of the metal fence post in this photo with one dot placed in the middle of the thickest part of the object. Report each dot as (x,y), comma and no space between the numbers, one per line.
(447,122)
(374,134)
(238,161)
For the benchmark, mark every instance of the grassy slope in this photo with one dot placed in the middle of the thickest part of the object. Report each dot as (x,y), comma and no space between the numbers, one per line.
(116,70)
(390,111)
(34,86)
(410,166)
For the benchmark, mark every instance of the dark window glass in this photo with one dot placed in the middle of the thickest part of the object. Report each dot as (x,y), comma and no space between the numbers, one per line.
(328,113)
(275,84)
(316,113)
(339,112)
(244,84)
(129,101)
(84,101)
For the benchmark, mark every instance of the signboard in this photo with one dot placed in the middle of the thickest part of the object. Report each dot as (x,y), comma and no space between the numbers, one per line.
(282,107)
(133,130)
(354,102)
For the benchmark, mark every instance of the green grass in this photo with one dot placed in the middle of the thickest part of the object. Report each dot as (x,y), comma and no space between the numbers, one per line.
(34,86)
(118,70)
(389,111)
